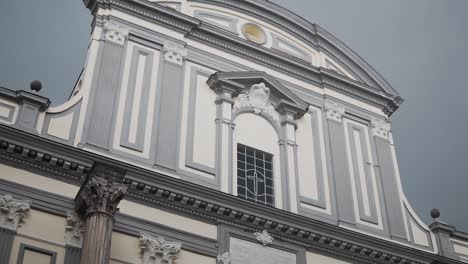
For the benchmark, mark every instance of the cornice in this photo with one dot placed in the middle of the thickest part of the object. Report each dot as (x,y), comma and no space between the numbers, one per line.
(207,34)
(158,190)
(21,96)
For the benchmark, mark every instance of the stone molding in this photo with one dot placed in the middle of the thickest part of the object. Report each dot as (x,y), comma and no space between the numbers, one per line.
(115,34)
(156,250)
(74,230)
(101,195)
(264,237)
(174,53)
(380,128)
(225,258)
(334,111)
(12,211)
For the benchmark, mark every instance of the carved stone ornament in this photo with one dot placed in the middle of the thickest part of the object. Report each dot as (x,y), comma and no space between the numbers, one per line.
(101,195)
(156,250)
(257,99)
(173,53)
(380,128)
(334,111)
(12,211)
(115,34)
(264,237)
(225,258)
(74,230)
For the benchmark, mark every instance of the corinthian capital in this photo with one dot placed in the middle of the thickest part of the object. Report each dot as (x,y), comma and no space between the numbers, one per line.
(334,111)
(101,195)
(380,128)
(12,211)
(156,250)
(173,53)
(115,34)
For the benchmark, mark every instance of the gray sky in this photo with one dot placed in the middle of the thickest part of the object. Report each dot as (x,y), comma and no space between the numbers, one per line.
(419,46)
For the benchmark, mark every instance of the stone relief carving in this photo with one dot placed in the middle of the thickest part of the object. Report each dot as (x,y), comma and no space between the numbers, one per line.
(334,111)
(264,237)
(173,53)
(115,34)
(12,211)
(74,230)
(103,195)
(225,258)
(156,250)
(257,99)
(380,128)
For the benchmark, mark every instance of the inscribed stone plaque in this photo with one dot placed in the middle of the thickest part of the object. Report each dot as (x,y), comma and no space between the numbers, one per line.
(245,252)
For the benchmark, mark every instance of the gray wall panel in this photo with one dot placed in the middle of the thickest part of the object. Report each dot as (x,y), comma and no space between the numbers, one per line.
(6,238)
(72,255)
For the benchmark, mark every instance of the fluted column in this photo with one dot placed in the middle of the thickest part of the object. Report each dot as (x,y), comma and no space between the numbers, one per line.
(97,201)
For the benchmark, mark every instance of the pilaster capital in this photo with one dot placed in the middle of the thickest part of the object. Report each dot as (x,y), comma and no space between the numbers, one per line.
(334,111)
(12,211)
(100,195)
(115,34)
(156,250)
(74,230)
(225,258)
(174,53)
(380,128)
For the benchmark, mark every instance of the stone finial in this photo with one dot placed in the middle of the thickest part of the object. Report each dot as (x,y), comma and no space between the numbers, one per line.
(225,258)
(74,230)
(156,250)
(435,213)
(173,53)
(102,195)
(334,111)
(35,86)
(264,237)
(115,34)
(380,128)
(12,211)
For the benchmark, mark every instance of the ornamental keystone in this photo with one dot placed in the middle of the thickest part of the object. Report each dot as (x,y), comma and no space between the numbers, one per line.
(264,237)
(156,250)
(12,211)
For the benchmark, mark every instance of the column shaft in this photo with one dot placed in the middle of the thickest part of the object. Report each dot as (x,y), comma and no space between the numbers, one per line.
(97,238)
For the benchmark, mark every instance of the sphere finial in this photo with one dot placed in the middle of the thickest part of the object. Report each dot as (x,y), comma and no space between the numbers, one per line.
(36,86)
(435,213)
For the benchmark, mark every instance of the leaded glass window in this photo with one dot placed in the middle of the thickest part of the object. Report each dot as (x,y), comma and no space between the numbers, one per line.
(255,175)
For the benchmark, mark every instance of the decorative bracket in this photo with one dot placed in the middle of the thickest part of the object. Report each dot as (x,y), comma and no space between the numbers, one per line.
(334,111)
(12,211)
(173,53)
(264,237)
(156,250)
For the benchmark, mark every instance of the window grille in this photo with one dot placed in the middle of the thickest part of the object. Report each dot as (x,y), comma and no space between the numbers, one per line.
(255,175)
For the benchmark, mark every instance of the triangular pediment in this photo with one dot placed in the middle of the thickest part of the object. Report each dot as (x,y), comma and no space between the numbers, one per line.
(242,82)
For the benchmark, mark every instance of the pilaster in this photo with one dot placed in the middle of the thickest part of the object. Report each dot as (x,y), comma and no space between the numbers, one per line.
(224,104)
(73,238)
(105,85)
(12,212)
(380,131)
(171,76)
(97,201)
(337,145)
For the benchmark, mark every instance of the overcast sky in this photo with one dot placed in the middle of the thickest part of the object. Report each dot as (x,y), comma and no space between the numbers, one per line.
(419,46)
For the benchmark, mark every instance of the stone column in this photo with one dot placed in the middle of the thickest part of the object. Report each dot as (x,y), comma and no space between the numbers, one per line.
(97,200)
(337,147)
(157,250)
(388,175)
(171,81)
(12,212)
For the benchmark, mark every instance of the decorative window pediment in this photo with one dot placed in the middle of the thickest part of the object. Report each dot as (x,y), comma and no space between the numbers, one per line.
(258,91)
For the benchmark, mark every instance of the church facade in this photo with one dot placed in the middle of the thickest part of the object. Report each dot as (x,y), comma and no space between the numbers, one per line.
(211,132)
